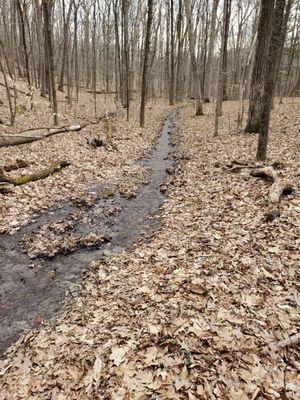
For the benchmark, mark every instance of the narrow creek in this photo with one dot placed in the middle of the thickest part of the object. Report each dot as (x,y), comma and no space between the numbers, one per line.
(35,289)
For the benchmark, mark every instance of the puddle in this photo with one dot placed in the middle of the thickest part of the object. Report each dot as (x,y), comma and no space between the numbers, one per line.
(31,290)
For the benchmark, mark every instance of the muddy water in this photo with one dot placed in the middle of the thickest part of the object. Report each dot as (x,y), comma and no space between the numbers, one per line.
(31,290)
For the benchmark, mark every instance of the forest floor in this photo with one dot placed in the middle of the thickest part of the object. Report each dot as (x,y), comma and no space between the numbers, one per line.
(114,163)
(197,310)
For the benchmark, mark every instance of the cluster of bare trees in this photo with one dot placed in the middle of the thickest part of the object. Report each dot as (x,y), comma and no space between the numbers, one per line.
(200,49)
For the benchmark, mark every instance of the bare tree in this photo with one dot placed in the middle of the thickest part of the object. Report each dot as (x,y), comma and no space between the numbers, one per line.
(273,54)
(146,61)
(125,10)
(211,47)
(259,68)
(221,72)
(47,11)
(192,45)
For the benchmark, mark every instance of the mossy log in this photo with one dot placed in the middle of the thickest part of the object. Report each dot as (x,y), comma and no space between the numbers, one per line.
(22,180)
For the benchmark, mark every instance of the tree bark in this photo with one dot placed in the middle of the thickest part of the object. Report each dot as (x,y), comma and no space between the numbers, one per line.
(22,23)
(55,167)
(211,47)
(259,68)
(146,61)
(192,46)
(172,65)
(125,10)
(47,9)
(65,54)
(226,10)
(179,86)
(273,54)
(220,87)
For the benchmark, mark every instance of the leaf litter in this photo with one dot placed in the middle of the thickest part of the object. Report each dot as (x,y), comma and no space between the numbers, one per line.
(197,311)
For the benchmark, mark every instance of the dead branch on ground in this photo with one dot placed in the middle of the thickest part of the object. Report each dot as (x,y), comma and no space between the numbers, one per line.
(278,188)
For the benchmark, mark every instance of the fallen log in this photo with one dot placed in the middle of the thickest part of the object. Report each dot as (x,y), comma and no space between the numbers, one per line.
(22,180)
(31,135)
(35,134)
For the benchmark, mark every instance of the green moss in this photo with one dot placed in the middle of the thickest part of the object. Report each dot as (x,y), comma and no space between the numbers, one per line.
(108,192)
(20,109)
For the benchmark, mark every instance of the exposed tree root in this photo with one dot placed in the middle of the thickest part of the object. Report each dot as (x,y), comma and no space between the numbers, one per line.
(278,188)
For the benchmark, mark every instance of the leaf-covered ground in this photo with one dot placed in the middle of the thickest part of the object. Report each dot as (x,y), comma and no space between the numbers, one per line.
(114,164)
(197,311)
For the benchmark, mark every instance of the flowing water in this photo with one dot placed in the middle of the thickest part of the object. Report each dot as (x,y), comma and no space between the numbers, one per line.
(34,289)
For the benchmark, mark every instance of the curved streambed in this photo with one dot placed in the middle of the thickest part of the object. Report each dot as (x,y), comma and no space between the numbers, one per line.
(34,290)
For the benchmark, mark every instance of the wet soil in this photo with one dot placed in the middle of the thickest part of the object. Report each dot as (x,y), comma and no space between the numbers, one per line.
(34,290)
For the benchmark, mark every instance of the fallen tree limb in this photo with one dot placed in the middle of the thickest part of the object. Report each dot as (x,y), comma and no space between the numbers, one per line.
(32,135)
(14,140)
(278,188)
(55,167)
(12,88)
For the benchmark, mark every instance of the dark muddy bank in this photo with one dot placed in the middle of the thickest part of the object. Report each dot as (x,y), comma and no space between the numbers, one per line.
(34,290)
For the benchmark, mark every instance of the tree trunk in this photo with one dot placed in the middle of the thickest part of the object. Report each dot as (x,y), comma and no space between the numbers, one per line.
(220,86)
(146,60)
(172,65)
(211,47)
(47,9)
(65,53)
(273,54)
(179,88)
(227,10)
(260,62)
(125,10)
(192,46)
(23,34)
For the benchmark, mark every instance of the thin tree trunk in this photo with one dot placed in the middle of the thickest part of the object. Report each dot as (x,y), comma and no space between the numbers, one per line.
(220,87)
(23,34)
(47,9)
(125,10)
(211,48)
(172,65)
(179,54)
(192,46)
(227,10)
(146,60)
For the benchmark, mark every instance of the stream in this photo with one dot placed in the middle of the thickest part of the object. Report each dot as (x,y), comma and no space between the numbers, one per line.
(34,289)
